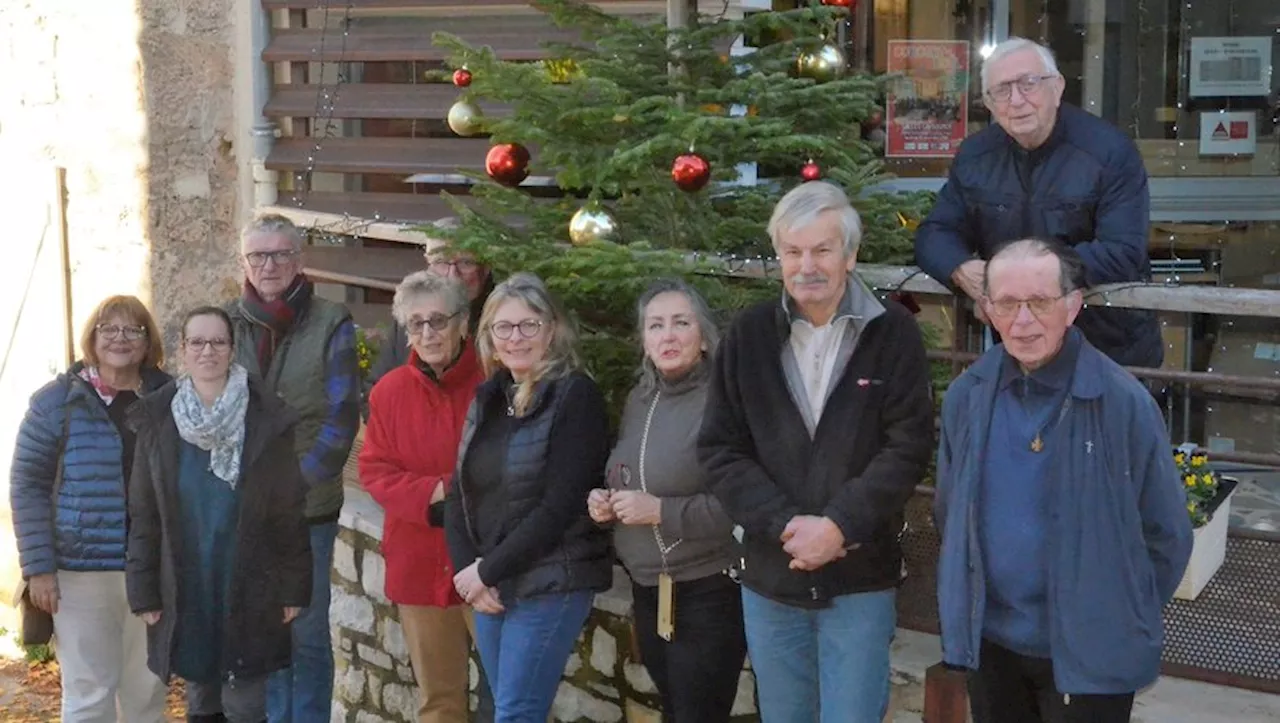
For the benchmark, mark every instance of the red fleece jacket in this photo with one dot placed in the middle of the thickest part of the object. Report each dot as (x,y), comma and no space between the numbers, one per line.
(410,448)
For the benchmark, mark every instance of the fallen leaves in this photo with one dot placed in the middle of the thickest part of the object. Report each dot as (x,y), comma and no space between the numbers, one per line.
(31,692)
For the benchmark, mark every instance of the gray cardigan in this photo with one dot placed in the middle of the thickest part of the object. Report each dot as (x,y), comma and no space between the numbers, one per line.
(690,514)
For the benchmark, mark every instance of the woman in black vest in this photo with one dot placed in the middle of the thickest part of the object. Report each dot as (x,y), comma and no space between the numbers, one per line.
(533,446)
(219,554)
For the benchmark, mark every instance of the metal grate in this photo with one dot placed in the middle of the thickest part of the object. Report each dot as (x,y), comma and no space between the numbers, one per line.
(1229,635)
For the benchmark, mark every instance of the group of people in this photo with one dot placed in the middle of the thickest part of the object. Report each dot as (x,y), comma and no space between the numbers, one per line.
(185,526)
(754,492)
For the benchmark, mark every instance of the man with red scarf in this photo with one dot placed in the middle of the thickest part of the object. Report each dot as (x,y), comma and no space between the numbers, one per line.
(304,347)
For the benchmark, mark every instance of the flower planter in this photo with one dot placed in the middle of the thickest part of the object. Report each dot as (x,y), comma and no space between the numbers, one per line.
(1210,549)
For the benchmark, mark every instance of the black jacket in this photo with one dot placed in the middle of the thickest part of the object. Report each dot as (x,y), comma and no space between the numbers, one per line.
(869,450)
(1085,187)
(545,541)
(273,547)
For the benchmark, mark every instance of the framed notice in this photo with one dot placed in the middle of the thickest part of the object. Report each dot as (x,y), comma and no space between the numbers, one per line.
(1230,66)
(1228,133)
(928,98)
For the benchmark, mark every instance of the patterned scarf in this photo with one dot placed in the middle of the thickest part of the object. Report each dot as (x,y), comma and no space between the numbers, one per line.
(106,392)
(219,429)
(275,317)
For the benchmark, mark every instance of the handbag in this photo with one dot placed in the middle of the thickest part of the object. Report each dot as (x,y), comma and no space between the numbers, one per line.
(37,625)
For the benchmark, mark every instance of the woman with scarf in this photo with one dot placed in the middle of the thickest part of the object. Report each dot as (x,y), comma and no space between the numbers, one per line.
(70,469)
(219,553)
(671,534)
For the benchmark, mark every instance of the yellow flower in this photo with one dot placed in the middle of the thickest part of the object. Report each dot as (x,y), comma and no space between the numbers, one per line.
(1197,460)
(1208,478)
(1179,458)
(1191,507)
(1189,480)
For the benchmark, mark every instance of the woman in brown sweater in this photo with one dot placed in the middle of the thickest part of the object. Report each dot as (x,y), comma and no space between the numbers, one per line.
(671,534)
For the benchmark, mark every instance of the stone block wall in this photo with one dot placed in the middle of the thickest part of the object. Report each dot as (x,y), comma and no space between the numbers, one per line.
(602,682)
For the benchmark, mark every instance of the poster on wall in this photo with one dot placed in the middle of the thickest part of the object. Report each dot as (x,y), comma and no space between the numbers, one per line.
(927,114)
(1230,66)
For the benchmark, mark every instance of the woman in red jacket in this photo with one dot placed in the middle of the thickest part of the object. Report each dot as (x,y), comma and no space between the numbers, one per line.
(410,447)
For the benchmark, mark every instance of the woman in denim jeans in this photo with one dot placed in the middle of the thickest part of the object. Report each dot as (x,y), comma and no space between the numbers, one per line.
(533,445)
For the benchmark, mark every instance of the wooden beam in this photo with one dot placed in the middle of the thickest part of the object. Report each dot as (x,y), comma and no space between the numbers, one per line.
(1226,301)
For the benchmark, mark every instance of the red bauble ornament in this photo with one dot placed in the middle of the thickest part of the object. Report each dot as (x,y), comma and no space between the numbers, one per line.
(507,163)
(811,171)
(851,4)
(462,77)
(690,172)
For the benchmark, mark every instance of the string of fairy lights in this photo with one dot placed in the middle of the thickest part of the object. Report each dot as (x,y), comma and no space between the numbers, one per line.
(327,94)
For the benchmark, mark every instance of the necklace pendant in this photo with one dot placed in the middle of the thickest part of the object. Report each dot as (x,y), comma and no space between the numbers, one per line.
(1037,445)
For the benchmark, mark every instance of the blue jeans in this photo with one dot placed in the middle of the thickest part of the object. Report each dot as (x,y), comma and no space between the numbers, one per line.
(303,693)
(524,651)
(829,664)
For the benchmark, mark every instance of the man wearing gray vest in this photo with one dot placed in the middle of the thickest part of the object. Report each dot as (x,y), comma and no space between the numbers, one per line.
(304,347)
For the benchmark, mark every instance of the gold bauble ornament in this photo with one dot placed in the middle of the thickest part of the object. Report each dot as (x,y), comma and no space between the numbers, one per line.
(465,118)
(825,63)
(592,223)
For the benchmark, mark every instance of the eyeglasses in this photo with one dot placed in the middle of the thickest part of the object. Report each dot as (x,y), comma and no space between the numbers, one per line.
(529,328)
(1026,84)
(437,322)
(258,259)
(1039,306)
(197,345)
(444,266)
(111,332)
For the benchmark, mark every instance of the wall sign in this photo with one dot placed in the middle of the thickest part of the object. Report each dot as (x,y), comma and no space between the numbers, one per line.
(928,103)
(1230,66)
(1225,133)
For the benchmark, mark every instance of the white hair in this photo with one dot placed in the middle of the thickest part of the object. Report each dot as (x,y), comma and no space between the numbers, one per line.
(1014,45)
(804,203)
(423,284)
(273,223)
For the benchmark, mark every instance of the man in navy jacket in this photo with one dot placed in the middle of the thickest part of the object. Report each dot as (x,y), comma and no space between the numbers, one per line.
(1053,171)
(1063,521)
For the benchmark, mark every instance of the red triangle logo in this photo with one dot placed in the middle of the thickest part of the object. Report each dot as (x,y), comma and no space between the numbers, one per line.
(1220,133)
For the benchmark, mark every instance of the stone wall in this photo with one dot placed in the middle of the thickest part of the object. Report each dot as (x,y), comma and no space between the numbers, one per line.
(134,98)
(603,681)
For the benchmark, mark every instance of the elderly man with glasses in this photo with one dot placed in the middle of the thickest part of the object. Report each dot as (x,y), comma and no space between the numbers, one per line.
(1060,510)
(1046,170)
(303,347)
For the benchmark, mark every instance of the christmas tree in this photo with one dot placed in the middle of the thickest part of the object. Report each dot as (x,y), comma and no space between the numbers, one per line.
(644,130)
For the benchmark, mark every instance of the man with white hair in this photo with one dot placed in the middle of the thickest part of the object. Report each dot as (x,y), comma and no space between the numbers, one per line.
(304,347)
(1063,525)
(1046,170)
(818,426)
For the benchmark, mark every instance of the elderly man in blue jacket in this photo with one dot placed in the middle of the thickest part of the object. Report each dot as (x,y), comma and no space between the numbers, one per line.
(1064,526)
(1047,170)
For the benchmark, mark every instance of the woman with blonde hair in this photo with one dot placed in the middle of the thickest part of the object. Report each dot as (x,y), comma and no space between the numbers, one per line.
(71,465)
(529,559)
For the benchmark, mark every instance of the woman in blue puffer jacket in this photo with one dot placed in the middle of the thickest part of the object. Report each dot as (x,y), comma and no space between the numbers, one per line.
(71,543)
